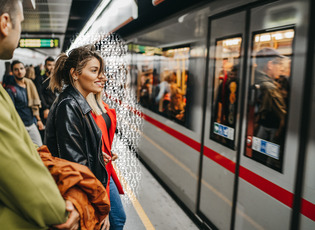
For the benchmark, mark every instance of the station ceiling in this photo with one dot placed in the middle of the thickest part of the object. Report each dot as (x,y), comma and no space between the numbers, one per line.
(61,19)
(64,19)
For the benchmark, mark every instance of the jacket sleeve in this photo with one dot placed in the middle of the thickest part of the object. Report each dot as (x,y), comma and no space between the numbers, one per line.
(42,98)
(40,88)
(26,186)
(70,133)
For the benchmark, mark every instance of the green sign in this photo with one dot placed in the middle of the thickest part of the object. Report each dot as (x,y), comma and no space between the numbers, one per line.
(144,49)
(39,43)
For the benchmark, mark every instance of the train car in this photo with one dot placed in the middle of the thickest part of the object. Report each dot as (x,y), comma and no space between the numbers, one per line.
(226,89)
(227,92)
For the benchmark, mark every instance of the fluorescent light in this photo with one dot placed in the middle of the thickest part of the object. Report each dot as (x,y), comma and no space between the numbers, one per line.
(289,34)
(94,16)
(277,36)
(231,42)
(265,37)
(92,19)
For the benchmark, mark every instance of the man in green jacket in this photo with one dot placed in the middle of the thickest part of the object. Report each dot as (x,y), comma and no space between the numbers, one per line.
(29,197)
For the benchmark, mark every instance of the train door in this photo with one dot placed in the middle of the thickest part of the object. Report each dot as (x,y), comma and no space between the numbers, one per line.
(269,141)
(307,212)
(222,118)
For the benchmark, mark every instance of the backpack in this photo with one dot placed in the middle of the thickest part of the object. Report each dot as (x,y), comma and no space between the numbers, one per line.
(12,88)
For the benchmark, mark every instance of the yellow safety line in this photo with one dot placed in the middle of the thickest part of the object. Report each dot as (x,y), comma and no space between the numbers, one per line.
(136,204)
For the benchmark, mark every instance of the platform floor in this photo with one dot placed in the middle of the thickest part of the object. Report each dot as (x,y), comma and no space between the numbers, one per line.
(154,208)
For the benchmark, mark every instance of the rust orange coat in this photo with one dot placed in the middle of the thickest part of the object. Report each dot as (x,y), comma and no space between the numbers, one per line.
(79,185)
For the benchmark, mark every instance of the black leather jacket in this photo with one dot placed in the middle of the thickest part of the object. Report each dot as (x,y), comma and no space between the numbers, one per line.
(72,134)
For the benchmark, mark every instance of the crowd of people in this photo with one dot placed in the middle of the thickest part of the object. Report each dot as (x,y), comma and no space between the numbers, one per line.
(164,97)
(30,95)
(56,137)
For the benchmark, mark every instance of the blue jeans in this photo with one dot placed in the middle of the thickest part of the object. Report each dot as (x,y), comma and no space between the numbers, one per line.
(117,215)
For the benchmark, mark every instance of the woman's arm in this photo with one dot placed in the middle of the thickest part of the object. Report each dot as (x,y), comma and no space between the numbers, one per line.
(71,142)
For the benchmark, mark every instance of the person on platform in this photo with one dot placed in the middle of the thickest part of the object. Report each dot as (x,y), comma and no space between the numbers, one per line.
(29,196)
(26,101)
(71,132)
(47,96)
(105,118)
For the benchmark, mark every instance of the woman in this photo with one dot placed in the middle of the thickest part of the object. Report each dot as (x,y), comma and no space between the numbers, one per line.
(176,108)
(71,132)
(105,118)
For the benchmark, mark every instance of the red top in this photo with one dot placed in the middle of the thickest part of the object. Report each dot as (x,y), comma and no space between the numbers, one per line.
(107,144)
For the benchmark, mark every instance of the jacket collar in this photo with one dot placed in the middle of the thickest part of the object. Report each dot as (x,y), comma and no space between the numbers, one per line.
(262,77)
(85,107)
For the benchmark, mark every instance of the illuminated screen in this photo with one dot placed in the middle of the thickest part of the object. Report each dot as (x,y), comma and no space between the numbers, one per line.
(39,43)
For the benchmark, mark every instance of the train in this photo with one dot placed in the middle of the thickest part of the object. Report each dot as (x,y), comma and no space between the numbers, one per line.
(232,156)
(226,90)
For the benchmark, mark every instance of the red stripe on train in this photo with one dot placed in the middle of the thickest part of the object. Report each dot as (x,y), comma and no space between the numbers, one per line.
(218,158)
(187,140)
(308,209)
(267,186)
(275,191)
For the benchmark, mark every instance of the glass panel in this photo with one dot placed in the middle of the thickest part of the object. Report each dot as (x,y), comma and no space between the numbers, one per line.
(162,80)
(225,90)
(269,96)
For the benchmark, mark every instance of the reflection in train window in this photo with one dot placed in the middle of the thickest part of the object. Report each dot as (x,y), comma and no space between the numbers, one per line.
(225,90)
(162,80)
(269,93)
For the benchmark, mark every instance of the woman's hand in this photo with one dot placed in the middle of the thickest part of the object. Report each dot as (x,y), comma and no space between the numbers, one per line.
(46,112)
(114,156)
(73,222)
(40,125)
(105,223)
(106,157)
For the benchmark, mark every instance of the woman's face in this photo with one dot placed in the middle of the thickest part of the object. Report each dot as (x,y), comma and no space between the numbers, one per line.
(91,80)
(177,99)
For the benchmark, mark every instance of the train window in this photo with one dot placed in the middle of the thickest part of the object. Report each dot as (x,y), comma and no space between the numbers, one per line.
(269,93)
(162,81)
(225,90)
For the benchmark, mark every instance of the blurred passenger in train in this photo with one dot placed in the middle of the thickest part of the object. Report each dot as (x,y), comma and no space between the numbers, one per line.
(29,197)
(47,96)
(133,71)
(166,88)
(155,90)
(146,89)
(71,132)
(271,108)
(176,108)
(26,101)
(105,118)
(226,104)
(145,93)
(222,92)
(284,79)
